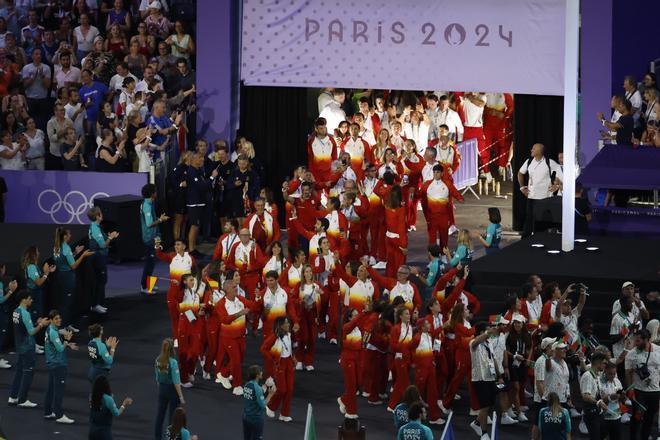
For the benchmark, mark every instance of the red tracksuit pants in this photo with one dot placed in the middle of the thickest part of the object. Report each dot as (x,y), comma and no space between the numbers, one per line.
(234,348)
(284,384)
(329,310)
(377,234)
(411,205)
(500,142)
(191,337)
(375,366)
(401,381)
(425,381)
(174,297)
(441,370)
(395,257)
(438,228)
(349,365)
(307,337)
(484,152)
(463,369)
(212,343)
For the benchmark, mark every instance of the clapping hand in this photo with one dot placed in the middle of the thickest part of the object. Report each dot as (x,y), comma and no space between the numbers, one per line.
(112,342)
(127,402)
(113,235)
(79,249)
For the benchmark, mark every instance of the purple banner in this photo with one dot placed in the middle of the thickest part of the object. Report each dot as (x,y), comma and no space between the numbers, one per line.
(512,45)
(467,173)
(62,197)
(625,221)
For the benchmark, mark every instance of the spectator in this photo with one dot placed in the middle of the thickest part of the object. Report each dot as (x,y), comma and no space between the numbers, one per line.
(15,51)
(32,34)
(650,81)
(116,42)
(632,95)
(182,44)
(84,36)
(166,61)
(145,6)
(117,81)
(11,124)
(71,151)
(107,119)
(126,96)
(183,80)
(110,156)
(66,75)
(135,61)
(11,16)
(151,82)
(75,111)
(12,156)
(118,16)
(35,155)
(49,47)
(37,81)
(56,130)
(163,125)
(158,25)
(92,94)
(643,374)
(146,42)
(9,71)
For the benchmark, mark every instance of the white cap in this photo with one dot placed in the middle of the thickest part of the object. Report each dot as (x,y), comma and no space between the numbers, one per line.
(518,317)
(501,320)
(627,283)
(547,341)
(559,344)
(155,5)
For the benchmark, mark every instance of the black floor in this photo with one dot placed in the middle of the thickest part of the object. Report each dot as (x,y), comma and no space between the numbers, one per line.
(213,413)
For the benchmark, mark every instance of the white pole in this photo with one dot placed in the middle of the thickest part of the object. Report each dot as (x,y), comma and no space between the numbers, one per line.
(571,60)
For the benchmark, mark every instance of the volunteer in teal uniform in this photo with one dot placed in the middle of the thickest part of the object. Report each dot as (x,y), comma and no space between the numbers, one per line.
(255,404)
(56,362)
(414,428)
(4,312)
(101,354)
(150,232)
(170,393)
(491,240)
(66,274)
(178,429)
(24,332)
(99,242)
(102,409)
(35,277)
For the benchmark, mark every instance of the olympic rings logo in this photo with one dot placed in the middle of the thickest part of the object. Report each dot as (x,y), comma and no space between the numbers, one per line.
(59,208)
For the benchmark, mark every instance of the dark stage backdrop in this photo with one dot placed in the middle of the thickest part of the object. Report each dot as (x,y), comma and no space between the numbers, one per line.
(275,120)
(537,119)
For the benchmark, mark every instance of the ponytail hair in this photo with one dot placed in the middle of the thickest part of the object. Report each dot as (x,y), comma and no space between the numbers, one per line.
(60,232)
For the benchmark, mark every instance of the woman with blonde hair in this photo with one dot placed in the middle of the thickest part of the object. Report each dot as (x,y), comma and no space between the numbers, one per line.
(554,421)
(382,144)
(35,277)
(464,250)
(170,393)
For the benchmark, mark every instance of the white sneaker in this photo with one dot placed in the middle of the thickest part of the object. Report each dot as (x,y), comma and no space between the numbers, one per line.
(457,396)
(442,408)
(365,394)
(285,419)
(438,421)
(625,418)
(206,376)
(390,409)
(474,412)
(382,396)
(528,394)
(333,341)
(452,230)
(322,335)
(524,408)
(489,177)
(342,407)
(176,343)
(511,413)
(27,404)
(238,391)
(575,413)
(583,428)
(223,380)
(506,419)
(522,417)
(351,416)
(309,368)
(38,349)
(489,420)
(379,265)
(299,366)
(628,402)
(372,261)
(485,436)
(50,416)
(4,365)
(65,420)
(270,413)
(98,309)
(476,428)
(187,385)
(11,401)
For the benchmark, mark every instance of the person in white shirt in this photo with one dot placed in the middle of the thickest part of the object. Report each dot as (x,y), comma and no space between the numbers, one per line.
(614,105)
(611,393)
(473,116)
(440,114)
(569,315)
(364,133)
(624,323)
(633,95)
(643,373)
(557,374)
(485,373)
(638,308)
(539,380)
(545,178)
(332,112)
(324,98)
(12,156)
(75,111)
(590,389)
(66,75)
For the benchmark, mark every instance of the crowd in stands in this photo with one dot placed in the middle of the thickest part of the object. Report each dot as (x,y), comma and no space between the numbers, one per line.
(95,85)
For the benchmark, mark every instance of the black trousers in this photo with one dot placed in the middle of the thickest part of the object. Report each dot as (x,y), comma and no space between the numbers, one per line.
(528,227)
(642,421)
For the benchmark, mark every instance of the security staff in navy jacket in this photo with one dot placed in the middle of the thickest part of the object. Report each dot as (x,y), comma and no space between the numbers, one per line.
(198,195)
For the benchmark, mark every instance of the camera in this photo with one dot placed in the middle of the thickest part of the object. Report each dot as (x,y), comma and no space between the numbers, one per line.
(642,371)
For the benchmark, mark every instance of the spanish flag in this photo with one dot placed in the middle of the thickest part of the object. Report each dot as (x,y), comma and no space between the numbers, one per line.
(151,282)
(213,284)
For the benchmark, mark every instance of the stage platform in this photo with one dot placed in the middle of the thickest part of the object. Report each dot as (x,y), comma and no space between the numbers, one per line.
(604,271)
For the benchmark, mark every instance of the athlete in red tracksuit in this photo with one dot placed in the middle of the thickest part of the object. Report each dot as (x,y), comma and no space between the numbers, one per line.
(231,311)
(300,194)
(376,216)
(349,360)
(276,302)
(437,195)
(401,338)
(399,286)
(279,348)
(264,228)
(396,233)
(471,109)
(191,332)
(425,370)
(377,341)
(458,333)
(355,208)
(246,257)
(436,322)
(338,224)
(181,263)
(497,117)
(359,150)
(226,240)
(308,296)
(211,298)
(323,265)
(321,152)
(412,164)
(470,301)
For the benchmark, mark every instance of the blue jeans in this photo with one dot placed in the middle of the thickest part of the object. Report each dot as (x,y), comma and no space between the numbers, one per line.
(253,429)
(55,393)
(168,400)
(149,262)
(23,376)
